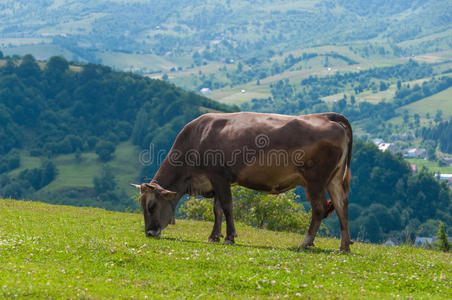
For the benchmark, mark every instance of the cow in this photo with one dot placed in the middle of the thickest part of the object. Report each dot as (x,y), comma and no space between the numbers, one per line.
(270,153)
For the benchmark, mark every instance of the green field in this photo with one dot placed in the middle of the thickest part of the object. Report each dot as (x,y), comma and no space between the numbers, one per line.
(430,165)
(442,100)
(51,251)
(74,173)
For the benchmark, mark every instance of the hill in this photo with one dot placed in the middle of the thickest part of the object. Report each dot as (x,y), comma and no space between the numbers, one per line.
(155,36)
(74,133)
(67,252)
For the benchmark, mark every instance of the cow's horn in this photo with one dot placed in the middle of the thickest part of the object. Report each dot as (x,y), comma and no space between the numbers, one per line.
(136,186)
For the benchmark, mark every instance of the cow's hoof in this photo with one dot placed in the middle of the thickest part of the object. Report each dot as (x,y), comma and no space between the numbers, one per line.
(307,245)
(345,249)
(228,242)
(214,239)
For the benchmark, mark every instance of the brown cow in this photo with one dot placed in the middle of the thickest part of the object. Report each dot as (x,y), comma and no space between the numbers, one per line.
(266,152)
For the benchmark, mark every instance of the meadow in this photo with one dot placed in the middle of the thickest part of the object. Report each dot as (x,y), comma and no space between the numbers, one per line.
(79,173)
(49,251)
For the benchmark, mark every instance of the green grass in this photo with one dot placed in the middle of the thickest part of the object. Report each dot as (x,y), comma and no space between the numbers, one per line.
(442,100)
(140,61)
(79,174)
(430,165)
(66,252)
(40,51)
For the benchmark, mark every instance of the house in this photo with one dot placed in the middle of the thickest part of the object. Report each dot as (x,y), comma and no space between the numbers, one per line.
(389,243)
(416,153)
(446,177)
(387,146)
(205,91)
(424,241)
(377,141)
(447,160)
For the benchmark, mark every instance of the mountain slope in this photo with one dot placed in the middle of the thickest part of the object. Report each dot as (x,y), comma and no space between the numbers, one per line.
(67,252)
(231,28)
(62,126)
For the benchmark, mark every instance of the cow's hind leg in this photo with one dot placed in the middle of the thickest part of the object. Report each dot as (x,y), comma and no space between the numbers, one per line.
(338,196)
(318,212)
(216,230)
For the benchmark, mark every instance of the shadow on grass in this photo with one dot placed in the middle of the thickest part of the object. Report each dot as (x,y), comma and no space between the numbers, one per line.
(310,250)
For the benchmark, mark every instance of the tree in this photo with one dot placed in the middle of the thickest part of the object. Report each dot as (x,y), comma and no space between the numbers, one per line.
(417,119)
(49,172)
(29,67)
(443,242)
(383,86)
(57,65)
(106,182)
(105,150)
(406,117)
(1,55)
(439,116)
(239,67)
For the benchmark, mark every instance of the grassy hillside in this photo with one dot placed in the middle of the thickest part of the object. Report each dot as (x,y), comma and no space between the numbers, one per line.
(66,252)
(79,173)
(432,166)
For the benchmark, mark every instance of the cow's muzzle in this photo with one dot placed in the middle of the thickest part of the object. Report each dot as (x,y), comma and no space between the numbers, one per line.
(154,233)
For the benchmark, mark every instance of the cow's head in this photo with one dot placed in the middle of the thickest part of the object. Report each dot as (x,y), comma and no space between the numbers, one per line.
(157,207)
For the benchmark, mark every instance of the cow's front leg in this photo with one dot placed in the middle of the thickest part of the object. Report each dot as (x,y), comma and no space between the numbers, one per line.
(218,213)
(223,192)
(230,228)
(318,212)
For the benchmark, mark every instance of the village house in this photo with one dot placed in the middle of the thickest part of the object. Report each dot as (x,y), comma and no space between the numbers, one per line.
(205,91)
(415,153)
(387,146)
(447,160)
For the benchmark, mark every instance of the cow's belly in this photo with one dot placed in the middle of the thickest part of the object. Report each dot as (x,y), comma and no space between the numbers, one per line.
(274,180)
(200,185)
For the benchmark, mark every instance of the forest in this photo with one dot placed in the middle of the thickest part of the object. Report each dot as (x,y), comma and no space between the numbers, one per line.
(440,134)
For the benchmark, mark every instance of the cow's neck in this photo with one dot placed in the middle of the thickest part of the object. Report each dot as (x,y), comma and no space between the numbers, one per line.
(171,178)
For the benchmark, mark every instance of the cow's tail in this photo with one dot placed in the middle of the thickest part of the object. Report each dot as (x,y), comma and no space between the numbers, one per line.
(346,124)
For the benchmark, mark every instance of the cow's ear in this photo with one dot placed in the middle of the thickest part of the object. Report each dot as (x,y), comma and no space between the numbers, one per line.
(168,195)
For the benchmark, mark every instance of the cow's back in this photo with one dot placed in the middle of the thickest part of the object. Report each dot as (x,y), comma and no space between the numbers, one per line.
(258,150)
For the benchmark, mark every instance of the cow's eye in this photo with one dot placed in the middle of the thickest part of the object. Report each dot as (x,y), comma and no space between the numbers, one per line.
(152,207)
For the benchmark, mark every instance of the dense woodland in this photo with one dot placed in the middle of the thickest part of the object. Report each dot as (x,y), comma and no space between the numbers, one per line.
(441,134)
(59,108)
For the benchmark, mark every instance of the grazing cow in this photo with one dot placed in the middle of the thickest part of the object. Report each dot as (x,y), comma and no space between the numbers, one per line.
(266,152)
